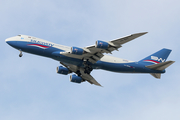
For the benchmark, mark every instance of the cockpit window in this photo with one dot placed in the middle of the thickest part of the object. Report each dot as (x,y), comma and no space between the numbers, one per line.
(19,35)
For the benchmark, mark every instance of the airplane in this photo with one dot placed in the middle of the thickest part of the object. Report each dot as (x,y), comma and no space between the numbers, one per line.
(81,61)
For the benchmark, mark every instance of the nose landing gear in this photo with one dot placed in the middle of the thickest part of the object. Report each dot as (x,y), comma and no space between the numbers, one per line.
(20,54)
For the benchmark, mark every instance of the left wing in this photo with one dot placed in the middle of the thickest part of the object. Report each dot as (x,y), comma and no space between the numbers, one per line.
(88,77)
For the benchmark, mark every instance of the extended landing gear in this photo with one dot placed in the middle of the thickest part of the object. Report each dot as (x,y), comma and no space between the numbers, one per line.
(20,54)
(78,72)
(87,68)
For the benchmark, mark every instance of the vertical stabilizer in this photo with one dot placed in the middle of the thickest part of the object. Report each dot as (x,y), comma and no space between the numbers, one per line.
(157,57)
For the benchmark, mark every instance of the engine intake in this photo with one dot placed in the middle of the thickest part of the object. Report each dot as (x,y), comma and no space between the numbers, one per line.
(75,78)
(62,70)
(102,44)
(77,51)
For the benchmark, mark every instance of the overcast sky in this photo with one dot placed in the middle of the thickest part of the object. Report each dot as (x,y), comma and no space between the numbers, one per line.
(30,88)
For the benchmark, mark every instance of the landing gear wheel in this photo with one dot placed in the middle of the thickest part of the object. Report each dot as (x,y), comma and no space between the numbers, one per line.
(20,55)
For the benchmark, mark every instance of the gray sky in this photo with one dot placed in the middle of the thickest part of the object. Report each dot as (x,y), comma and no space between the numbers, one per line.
(30,88)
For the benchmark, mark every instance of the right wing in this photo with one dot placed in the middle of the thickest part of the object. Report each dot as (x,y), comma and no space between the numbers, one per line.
(114,44)
(86,77)
(93,54)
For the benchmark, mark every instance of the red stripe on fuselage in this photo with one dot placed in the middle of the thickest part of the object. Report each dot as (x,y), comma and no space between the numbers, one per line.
(152,61)
(38,45)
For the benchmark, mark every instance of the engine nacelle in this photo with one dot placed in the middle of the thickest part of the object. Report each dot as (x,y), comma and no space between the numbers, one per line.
(77,51)
(62,70)
(75,78)
(102,44)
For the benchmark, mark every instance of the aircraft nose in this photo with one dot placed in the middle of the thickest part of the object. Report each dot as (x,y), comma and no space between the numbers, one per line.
(11,42)
(7,40)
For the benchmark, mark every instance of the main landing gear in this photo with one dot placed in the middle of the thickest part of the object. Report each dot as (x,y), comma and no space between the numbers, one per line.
(20,54)
(87,68)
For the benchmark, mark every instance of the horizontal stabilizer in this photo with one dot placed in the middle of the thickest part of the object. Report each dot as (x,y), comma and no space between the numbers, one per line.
(160,66)
(156,75)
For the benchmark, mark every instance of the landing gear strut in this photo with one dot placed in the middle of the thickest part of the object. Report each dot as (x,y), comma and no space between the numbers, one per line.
(87,68)
(20,54)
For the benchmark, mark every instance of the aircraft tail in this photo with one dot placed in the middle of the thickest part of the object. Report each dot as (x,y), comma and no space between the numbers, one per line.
(160,66)
(157,57)
(157,61)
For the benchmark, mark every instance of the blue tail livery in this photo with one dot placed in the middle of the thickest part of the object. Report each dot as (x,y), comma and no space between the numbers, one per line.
(82,61)
(157,57)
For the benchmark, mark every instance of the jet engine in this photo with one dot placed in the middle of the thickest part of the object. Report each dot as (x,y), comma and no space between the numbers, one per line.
(62,70)
(75,78)
(77,51)
(101,44)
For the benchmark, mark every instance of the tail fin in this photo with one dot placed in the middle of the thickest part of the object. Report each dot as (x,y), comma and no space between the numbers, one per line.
(157,57)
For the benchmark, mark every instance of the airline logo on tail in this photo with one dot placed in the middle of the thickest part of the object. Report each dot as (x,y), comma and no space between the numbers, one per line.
(155,60)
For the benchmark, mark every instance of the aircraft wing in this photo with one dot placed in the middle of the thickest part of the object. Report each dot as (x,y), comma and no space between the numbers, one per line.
(86,77)
(114,44)
(93,53)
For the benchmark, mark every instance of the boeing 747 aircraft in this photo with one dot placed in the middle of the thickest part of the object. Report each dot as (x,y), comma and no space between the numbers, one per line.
(82,61)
